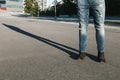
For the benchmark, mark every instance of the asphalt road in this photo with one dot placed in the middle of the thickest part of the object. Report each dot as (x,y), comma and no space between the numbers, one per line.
(33,49)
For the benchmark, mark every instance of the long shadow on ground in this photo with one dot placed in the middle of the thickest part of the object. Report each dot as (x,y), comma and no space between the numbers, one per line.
(71,51)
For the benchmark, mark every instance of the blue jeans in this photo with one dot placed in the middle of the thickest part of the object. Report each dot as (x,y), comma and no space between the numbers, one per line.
(98,10)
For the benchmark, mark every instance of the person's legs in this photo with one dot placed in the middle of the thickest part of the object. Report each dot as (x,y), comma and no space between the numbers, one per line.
(98,8)
(83,24)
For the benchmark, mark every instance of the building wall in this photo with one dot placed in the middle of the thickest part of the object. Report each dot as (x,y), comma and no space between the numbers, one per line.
(42,4)
(11,5)
(14,5)
(3,4)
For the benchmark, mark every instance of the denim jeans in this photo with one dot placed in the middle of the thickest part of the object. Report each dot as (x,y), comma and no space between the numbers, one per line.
(98,11)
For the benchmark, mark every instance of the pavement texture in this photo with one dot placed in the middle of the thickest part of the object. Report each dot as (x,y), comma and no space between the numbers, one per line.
(37,49)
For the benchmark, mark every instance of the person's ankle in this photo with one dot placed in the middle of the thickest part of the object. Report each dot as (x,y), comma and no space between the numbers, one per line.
(82,55)
(101,57)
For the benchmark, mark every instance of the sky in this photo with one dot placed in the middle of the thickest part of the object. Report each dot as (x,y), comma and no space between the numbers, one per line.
(50,1)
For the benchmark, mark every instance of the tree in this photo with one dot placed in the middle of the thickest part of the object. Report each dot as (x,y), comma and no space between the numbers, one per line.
(31,7)
(69,7)
(112,7)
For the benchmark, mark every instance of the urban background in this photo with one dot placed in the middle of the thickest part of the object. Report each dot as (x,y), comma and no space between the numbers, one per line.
(57,8)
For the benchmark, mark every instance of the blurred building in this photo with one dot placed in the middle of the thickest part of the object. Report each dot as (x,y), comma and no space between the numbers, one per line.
(2,4)
(42,4)
(18,5)
(11,5)
(14,5)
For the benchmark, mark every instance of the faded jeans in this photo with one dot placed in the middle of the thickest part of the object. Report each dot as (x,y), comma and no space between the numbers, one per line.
(98,11)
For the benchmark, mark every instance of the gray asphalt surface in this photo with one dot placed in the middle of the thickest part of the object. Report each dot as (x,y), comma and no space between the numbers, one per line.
(33,49)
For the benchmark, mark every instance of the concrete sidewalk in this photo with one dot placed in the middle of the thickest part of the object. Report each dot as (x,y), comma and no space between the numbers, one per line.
(109,20)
